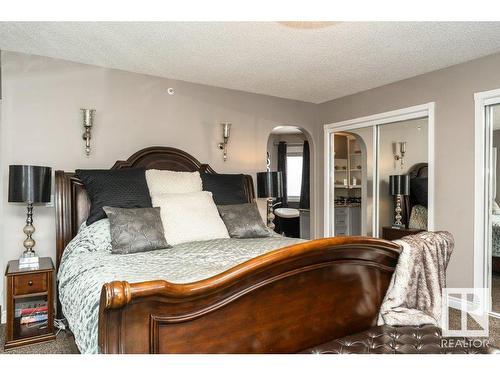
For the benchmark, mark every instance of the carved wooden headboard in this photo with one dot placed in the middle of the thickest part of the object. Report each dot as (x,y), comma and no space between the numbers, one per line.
(416,170)
(72,203)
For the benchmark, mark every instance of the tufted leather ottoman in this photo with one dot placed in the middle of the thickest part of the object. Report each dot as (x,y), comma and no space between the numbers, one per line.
(425,339)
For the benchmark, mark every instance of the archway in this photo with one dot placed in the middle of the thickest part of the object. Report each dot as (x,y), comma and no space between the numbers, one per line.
(289,151)
(352,175)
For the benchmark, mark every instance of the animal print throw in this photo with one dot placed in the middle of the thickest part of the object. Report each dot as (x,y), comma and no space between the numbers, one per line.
(414,294)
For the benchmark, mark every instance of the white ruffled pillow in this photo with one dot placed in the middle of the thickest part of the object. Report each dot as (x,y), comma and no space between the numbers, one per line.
(189,217)
(171,182)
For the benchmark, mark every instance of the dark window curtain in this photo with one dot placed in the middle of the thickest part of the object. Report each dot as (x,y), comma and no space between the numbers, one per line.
(304,187)
(282,169)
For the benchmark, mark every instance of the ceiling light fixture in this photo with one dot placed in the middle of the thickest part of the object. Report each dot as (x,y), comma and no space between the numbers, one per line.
(307,24)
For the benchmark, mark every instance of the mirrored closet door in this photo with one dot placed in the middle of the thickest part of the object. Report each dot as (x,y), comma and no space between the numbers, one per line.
(378,179)
(493,253)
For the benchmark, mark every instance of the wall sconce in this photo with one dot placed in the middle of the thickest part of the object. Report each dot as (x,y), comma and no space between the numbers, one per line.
(226,130)
(88,122)
(402,151)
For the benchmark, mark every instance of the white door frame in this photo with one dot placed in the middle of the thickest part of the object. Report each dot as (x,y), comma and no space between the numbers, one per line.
(482,193)
(409,113)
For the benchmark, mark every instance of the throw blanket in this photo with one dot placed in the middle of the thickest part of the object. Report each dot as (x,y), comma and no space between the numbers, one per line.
(414,294)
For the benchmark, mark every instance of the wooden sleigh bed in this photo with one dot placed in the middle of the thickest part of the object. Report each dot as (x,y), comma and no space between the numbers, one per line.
(284,301)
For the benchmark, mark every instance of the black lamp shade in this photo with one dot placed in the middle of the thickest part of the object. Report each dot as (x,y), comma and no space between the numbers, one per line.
(399,184)
(269,184)
(29,184)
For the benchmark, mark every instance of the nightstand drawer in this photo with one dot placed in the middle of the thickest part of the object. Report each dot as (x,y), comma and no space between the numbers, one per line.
(30,283)
(391,234)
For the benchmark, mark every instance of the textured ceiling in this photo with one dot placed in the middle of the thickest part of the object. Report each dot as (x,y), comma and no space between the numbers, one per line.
(313,65)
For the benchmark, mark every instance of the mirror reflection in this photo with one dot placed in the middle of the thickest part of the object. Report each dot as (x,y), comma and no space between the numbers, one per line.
(493,116)
(379,180)
(403,153)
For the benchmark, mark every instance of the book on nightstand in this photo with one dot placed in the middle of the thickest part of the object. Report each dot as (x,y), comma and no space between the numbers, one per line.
(29,262)
(31,312)
(34,318)
(31,308)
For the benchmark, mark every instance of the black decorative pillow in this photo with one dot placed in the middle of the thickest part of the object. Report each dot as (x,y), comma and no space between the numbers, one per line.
(243,221)
(125,188)
(135,230)
(225,188)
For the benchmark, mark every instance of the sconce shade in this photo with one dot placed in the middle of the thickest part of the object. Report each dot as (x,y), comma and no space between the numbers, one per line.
(88,116)
(269,185)
(30,184)
(399,184)
(226,129)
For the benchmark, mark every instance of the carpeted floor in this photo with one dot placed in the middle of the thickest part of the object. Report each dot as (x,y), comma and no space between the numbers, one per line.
(65,343)
(494,338)
(495,293)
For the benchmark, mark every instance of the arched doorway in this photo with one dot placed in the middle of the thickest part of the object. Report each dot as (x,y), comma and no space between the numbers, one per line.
(352,173)
(289,151)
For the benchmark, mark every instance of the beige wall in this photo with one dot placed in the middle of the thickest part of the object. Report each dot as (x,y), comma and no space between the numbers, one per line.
(452,89)
(41,124)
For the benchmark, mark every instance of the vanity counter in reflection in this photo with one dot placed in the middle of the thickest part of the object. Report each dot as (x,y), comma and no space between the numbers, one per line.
(348,220)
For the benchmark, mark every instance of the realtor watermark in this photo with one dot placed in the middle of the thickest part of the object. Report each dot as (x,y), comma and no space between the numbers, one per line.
(472,307)
(464,343)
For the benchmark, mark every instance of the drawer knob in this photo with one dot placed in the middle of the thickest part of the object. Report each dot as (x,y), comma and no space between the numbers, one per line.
(30,283)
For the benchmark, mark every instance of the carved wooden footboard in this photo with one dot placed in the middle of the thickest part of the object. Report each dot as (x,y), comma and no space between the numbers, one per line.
(281,302)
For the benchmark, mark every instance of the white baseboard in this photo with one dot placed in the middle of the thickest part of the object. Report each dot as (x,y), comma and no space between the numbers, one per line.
(456,303)
(4,317)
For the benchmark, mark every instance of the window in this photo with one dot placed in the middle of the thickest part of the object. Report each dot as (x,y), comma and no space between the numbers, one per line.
(293,176)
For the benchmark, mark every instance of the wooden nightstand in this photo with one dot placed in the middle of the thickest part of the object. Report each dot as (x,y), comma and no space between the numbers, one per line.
(30,295)
(391,234)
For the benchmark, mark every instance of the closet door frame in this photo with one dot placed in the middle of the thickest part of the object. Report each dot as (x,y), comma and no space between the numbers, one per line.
(403,114)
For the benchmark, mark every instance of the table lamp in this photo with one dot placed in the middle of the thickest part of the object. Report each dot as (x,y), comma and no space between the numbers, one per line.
(270,186)
(31,185)
(399,185)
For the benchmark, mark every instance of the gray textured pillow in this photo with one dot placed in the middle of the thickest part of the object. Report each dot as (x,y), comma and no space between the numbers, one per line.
(243,221)
(135,230)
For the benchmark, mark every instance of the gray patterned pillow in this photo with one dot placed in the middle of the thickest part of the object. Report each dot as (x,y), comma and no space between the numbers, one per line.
(135,230)
(418,217)
(243,221)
